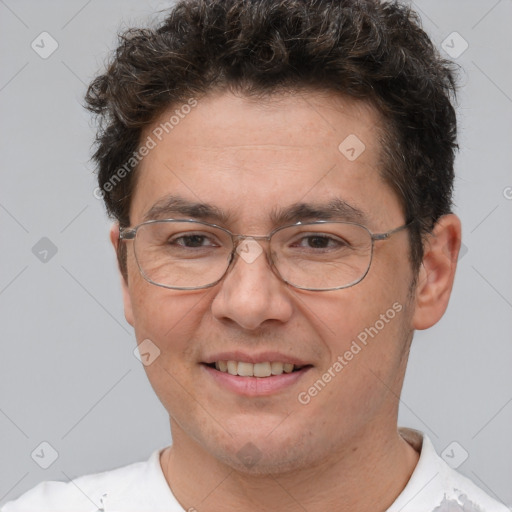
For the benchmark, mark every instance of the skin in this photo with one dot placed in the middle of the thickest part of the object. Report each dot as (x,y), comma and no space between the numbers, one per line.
(343,449)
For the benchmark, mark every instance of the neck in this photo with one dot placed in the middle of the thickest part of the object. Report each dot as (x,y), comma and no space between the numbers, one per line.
(367,476)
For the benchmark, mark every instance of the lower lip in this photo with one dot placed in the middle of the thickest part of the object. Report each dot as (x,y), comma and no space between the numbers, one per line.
(255,386)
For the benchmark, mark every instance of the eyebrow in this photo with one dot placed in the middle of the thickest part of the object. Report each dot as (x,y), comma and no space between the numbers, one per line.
(335,209)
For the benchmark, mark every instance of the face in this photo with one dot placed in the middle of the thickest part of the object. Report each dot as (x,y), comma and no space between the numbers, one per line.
(247,159)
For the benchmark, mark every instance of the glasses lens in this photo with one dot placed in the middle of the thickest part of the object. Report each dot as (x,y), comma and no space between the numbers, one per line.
(316,256)
(322,256)
(182,254)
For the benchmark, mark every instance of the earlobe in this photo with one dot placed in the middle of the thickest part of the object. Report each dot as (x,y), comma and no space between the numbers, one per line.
(437,272)
(128,311)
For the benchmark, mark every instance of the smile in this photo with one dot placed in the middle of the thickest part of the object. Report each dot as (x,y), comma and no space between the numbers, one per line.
(261,370)
(264,378)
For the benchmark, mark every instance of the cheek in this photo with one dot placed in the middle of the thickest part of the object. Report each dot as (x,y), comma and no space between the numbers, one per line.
(367,327)
(348,315)
(169,320)
(167,316)
(156,310)
(364,366)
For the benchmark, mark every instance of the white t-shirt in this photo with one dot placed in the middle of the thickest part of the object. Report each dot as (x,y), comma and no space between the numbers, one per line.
(142,487)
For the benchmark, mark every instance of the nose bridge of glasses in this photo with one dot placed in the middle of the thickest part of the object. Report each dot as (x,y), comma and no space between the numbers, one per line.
(251,250)
(255,237)
(238,239)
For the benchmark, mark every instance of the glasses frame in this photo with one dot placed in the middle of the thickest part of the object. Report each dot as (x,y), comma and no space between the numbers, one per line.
(130,233)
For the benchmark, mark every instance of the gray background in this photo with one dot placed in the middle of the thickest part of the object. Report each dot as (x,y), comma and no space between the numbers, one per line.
(68,375)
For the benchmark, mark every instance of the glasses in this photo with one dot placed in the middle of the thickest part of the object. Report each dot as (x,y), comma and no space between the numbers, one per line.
(315,256)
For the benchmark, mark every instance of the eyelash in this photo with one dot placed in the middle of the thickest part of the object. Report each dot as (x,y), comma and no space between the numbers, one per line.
(303,237)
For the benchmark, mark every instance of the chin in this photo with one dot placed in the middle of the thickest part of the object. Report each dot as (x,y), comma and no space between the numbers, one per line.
(261,450)
(253,461)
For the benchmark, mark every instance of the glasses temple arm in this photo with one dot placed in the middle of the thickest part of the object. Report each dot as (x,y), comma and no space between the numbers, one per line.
(385,236)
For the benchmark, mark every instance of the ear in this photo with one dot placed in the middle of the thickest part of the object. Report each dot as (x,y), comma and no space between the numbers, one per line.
(127,301)
(437,272)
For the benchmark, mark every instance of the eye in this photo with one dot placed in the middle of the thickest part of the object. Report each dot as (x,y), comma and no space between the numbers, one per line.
(320,241)
(193,240)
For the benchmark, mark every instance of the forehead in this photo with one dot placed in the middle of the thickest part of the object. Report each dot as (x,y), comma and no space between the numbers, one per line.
(249,156)
(297,120)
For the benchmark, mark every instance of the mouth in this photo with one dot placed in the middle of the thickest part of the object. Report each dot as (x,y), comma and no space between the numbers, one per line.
(262,370)
(260,378)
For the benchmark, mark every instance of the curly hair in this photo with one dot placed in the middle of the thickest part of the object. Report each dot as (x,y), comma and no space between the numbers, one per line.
(367,49)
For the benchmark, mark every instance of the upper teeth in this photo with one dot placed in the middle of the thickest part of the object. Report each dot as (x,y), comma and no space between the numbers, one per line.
(254,370)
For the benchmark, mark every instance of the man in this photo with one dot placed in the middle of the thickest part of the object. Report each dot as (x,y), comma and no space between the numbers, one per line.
(280,173)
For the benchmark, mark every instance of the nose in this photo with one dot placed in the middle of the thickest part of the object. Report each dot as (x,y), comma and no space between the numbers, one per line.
(251,294)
